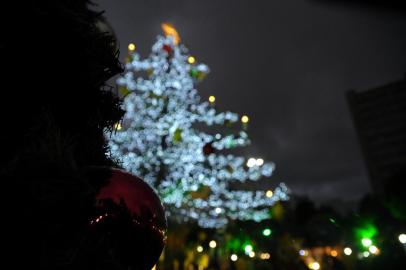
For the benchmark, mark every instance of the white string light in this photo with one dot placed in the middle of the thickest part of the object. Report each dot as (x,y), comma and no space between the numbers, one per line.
(157,140)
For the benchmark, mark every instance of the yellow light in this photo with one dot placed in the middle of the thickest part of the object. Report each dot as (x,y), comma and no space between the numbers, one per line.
(347,251)
(234,257)
(118,126)
(169,30)
(199,249)
(374,250)
(131,47)
(334,253)
(314,265)
(245,119)
(269,193)
(265,256)
(191,60)
(252,254)
(212,99)
(212,244)
(154,268)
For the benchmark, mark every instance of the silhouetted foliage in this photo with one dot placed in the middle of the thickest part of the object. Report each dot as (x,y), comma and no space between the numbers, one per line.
(54,108)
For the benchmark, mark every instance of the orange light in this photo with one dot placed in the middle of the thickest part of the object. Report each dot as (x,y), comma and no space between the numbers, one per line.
(334,253)
(169,30)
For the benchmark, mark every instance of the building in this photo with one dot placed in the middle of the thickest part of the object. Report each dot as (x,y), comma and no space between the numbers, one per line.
(379,115)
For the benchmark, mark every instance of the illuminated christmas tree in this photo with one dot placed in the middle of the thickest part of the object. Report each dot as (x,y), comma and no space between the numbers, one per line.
(158,140)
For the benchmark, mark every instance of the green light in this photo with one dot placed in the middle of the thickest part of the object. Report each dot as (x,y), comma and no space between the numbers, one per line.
(267,232)
(248,249)
(367,230)
(234,244)
(366,242)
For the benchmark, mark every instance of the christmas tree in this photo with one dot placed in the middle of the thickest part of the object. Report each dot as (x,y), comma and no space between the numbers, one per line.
(159,140)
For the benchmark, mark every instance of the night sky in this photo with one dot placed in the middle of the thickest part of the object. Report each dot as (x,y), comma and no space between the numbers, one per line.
(287,64)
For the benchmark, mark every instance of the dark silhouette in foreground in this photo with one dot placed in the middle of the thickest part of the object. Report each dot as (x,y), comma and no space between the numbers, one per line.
(55,106)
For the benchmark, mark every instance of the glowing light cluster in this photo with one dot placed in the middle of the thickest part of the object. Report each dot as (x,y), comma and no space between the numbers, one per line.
(252,162)
(248,249)
(402,238)
(373,250)
(314,266)
(366,242)
(265,256)
(157,140)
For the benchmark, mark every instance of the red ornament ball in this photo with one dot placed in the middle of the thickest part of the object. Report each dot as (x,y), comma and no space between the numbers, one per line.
(208,149)
(128,217)
(167,48)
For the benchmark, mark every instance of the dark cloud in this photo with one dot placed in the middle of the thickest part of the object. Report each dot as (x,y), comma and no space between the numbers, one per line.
(392,5)
(287,64)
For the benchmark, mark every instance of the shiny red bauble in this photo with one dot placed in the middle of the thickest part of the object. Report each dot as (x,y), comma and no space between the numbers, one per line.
(208,149)
(128,218)
(167,48)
